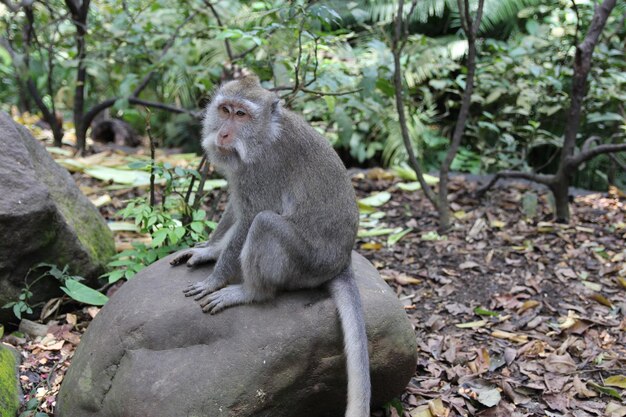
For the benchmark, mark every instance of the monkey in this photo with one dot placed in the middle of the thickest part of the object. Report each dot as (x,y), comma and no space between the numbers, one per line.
(290,221)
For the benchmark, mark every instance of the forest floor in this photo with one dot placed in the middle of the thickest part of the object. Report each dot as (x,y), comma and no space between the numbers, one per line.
(514,315)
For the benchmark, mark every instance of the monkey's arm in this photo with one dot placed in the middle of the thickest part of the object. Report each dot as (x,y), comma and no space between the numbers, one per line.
(210,250)
(228,266)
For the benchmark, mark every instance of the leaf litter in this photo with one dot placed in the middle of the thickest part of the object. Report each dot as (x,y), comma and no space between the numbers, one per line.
(514,315)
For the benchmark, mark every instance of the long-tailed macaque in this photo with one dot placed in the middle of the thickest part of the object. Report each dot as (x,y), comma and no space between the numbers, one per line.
(290,222)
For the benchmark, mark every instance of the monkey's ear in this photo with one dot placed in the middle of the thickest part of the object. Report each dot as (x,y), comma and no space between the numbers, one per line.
(275,106)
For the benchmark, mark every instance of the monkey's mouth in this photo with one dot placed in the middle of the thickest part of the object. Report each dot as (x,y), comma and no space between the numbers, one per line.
(226,150)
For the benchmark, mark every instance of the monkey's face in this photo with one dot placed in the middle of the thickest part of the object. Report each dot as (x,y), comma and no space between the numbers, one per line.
(238,127)
(227,129)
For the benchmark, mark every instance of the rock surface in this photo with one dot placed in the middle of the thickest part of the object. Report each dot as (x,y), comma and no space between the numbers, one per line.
(152,352)
(9,391)
(43,217)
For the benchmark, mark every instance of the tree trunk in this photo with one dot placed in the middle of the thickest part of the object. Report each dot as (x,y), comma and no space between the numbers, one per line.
(582,65)
(471,29)
(560,191)
(79,16)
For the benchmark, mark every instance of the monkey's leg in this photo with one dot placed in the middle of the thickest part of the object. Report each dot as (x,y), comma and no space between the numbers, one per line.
(211,250)
(273,258)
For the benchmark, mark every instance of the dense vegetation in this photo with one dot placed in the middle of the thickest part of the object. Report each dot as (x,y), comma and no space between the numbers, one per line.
(332,61)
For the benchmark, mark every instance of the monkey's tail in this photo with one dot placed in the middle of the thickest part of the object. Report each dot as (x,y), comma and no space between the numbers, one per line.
(346,295)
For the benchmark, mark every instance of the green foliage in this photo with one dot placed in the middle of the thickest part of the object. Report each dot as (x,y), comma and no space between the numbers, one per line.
(173,224)
(69,284)
(309,49)
(31,409)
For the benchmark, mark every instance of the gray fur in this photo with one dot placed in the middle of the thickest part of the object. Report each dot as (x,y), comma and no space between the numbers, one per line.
(290,223)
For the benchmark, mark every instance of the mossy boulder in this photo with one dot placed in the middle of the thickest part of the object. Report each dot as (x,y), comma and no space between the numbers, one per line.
(44,217)
(9,389)
(152,352)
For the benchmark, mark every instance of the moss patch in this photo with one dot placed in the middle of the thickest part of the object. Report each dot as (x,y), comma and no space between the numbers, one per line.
(9,400)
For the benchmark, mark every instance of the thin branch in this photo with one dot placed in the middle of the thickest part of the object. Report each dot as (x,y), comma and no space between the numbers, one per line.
(244,53)
(466,102)
(575,7)
(193,180)
(314,92)
(462,16)
(229,51)
(574,161)
(162,106)
(582,65)
(200,193)
(152,157)
(529,176)
(397,79)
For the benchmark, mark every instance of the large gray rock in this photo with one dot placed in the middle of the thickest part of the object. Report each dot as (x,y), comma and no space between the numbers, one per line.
(152,352)
(43,217)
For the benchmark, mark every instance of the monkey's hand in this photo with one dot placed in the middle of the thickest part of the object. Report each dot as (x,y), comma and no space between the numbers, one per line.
(196,256)
(202,288)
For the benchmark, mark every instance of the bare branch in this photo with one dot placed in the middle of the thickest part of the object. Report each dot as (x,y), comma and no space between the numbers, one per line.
(459,128)
(462,16)
(162,106)
(529,176)
(575,7)
(582,65)
(397,79)
(229,51)
(585,155)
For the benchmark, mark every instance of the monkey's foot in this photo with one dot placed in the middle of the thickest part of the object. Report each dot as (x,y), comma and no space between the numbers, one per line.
(202,288)
(226,297)
(196,256)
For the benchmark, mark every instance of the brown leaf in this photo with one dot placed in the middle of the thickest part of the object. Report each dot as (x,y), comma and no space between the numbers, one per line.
(513,337)
(50,343)
(515,396)
(437,408)
(562,364)
(582,390)
(404,279)
(601,299)
(615,410)
(92,311)
(469,265)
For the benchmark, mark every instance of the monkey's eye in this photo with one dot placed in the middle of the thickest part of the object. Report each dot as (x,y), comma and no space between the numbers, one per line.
(240,113)
(225,110)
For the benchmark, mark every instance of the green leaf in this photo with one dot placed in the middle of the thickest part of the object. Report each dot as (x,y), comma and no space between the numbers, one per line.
(375,200)
(159,237)
(432,235)
(604,117)
(385,86)
(616,381)
(605,390)
(395,237)
(83,293)
(199,215)
(120,176)
(116,275)
(122,227)
(409,186)
(17,310)
(197,227)
(214,184)
(378,232)
(484,312)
